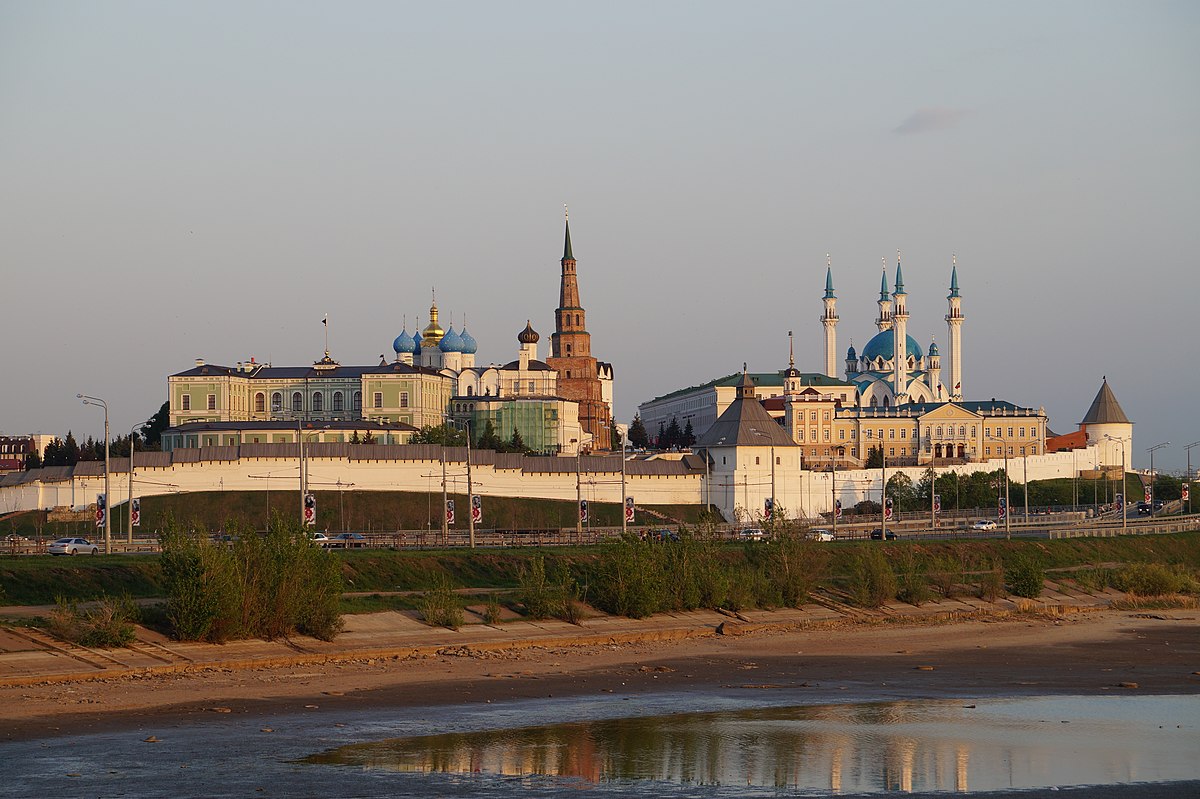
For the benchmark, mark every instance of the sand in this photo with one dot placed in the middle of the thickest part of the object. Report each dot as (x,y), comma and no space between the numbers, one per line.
(1087,653)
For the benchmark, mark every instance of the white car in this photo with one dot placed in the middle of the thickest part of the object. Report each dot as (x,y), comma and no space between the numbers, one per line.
(321,540)
(984,524)
(820,535)
(751,534)
(72,546)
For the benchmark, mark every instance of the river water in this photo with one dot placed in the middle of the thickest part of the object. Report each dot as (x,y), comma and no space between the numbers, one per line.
(684,744)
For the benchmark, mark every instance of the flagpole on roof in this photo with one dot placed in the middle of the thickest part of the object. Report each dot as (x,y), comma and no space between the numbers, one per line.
(325,322)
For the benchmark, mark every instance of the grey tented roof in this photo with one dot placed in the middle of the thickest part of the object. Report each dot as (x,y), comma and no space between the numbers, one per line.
(1105,408)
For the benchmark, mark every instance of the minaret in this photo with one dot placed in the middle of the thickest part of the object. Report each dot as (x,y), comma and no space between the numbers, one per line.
(934,373)
(571,354)
(954,320)
(884,322)
(900,337)
(829,321)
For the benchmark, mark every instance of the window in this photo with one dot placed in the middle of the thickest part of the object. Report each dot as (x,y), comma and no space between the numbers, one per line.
(825,416)
(962,431)
(826,436)
(1022,450)
(1010,450)
(812,416)
(891,452)
(853,435)
(187,402)
(531,388)
(318,403)
(1022,432)
(297,401)
(1010,432)
(869,433)
(378,399)
(841,435)
(892,433)
(987,450)
(972,431)
(1033,449)
(904,433)
(880,432)
(212,402)
(939,431)
(260,402)
(568,349)
(276,402)
(577,319)
(403,400)
(776,460)
(358,401)
(470,391)
(756,460)
(338,401)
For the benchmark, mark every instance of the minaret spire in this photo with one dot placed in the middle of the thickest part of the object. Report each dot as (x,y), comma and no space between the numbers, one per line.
(954,320)
(829,320)
(900,337)
(567,254)
(884,322)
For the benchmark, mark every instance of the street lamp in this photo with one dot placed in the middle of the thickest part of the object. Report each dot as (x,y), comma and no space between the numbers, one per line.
(470,486)
(1188,477)
(132,449)
(1124,498)
(1151,451)
(1007,509)
(107,499)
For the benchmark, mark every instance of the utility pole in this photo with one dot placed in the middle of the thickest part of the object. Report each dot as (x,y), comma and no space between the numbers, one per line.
(932,495)
(883,489)
(624,516)
(445,519)
(579,501)
(773,506)
(470,489)
(1187,478)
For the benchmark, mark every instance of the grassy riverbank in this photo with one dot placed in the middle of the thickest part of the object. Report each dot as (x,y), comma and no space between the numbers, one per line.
(37,580)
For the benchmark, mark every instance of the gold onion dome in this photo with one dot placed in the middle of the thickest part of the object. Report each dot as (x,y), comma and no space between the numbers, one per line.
(432,335)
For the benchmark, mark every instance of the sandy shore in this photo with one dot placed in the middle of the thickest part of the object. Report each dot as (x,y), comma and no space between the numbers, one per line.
(1087,653)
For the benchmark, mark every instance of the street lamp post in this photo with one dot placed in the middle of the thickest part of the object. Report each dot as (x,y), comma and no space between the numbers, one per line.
(624,515)
(1124,497)
(1007,509)
(1151,451)
(107,499)
(1188,476)
(132,449)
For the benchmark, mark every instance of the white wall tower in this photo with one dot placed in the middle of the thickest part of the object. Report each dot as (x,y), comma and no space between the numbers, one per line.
(900,337)
(954,320)
(830,320)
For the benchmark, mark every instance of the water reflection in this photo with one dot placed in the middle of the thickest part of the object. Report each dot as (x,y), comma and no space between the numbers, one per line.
(895,746)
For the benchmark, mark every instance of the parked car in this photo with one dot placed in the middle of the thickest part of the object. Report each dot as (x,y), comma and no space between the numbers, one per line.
(348,540)
(751,534)
(820,535)
(984,524)
(879,535)
(72,546)
(663,535)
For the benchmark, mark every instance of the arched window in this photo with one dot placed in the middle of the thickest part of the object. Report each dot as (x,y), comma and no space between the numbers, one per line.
(576,318)
(297,401)
(338,401)
(470,391)
(357,400)
(276,402)
(962,431)
(318,404)
(886,402)
(260,402)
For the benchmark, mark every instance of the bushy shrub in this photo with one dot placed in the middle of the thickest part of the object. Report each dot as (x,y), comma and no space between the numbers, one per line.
(1024,576)
(871,580)
(944,574)
(1151,579)
(492,610)
(440,606)
(912,582)
(991,582)
(107,624)
(263,586)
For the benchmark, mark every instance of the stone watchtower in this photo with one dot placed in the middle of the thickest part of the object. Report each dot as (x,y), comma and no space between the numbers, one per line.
(571,355)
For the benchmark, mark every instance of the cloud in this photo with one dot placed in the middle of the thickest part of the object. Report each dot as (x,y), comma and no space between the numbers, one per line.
(927,119)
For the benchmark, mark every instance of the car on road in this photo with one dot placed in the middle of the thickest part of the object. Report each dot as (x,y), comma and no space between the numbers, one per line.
(820,535)
(663,535)
(348,540)
(879,535)
(751,534)
(1143,508)
(321,540)
(73,546)
(984,524)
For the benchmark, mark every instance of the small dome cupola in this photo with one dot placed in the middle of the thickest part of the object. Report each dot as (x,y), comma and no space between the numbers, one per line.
(404,343)
(528,335)
(851,354)
(469,345)
(933,350)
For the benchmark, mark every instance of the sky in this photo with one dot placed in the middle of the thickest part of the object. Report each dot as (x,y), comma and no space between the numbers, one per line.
(209,180)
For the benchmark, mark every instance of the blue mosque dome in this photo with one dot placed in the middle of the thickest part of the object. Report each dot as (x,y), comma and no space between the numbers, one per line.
(404,343)
(851,355)
(882,345)
(451,342)
(933,350)
(469,345)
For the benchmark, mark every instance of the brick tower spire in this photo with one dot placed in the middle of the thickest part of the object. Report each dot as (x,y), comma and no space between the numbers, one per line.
(571,354)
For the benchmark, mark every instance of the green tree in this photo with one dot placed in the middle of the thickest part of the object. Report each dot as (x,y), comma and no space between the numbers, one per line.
(874,458)
(354,439)
(689,435)
(637,433)
(900,489)
(33,460)
(445,434)
(152,431)
(488,438)
(674,434)
(516,443)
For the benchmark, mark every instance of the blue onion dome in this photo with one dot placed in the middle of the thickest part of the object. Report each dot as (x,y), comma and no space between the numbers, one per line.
(933,350)
(451,342)
(469,345)
(404,343)
(883,345)
(851,355)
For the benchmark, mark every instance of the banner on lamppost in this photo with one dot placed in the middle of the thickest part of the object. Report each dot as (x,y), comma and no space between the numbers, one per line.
(583,511)
(768,508)
(101,509)
(135,512)
(1186,492)
(1001,508)
(837,508)
(629,510)
(449,512)
(937,503)
(476,508)
(310,509)
(1148,493)
(887,509)
(1119,500)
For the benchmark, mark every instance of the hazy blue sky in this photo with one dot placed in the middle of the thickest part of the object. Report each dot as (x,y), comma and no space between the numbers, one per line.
(210,179)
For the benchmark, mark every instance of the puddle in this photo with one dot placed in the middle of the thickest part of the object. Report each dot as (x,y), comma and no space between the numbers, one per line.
(1023,743)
